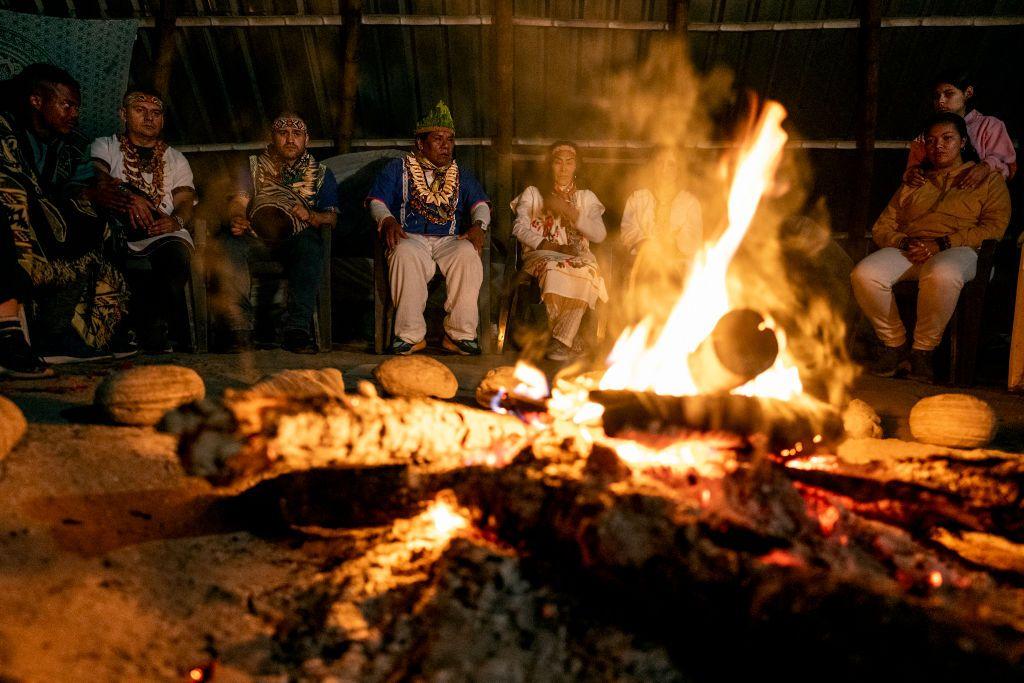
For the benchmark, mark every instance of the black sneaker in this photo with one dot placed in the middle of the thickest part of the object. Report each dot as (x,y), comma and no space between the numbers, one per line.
(400,347)
(298,341)
(889,360)
(265,339)
(17,358)
(463,347)
(77,352)
(922,366)
(124,344)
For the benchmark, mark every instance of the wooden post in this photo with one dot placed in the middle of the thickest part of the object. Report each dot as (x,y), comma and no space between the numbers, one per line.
(503,58)
(165,29)
(679,17)
(867,121)
(353,15)
(504,82)
(1015,382)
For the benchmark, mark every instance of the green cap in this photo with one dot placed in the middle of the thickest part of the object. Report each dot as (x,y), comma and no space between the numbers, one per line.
(439,118)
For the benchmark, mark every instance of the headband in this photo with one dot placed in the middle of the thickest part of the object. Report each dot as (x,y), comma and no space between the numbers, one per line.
(141,97)
(284,122)
(564,148)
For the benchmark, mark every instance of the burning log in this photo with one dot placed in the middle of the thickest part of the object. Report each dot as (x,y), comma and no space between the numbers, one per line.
(920,491)
(785,425)
(751,561)
(247,437)
(739,348)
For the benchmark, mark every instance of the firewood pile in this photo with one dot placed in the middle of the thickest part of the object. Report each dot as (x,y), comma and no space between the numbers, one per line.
(555,558)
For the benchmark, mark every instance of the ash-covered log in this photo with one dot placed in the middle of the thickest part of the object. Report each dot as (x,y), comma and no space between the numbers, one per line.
(248,437)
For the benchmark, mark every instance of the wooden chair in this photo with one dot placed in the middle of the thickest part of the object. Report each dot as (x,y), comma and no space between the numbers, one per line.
(963,333)
(384,308)
(195,290)
(521,287)
(321,315)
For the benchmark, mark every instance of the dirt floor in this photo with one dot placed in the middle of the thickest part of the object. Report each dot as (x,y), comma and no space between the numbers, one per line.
(116,566)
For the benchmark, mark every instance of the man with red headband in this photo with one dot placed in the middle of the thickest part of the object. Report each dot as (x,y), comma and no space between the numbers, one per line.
(432,213)
(283,192)
(156,182)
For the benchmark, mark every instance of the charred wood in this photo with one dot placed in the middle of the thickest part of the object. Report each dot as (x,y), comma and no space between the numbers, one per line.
(782,424)
(246,437)
(922,492)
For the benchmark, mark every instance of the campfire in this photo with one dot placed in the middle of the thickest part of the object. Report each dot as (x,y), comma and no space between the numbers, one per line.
(689,494)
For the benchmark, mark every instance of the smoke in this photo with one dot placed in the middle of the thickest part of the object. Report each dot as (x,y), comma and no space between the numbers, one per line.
(787,267)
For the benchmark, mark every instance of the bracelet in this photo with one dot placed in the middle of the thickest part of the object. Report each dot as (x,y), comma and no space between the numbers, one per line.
(180,221)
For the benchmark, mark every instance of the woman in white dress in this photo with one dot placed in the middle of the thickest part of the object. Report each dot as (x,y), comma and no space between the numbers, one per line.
(556,225)
(662,221)
(662,228)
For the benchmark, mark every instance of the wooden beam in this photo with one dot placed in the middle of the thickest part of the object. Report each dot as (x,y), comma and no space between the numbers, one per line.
(349,74)
(283,20)
(165,29)
(867,118)
(639,145)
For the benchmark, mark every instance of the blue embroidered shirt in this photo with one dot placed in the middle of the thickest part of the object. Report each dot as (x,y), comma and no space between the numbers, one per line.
(394,188)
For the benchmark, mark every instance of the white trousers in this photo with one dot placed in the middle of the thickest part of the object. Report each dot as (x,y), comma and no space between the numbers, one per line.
(940,280)
(411,266)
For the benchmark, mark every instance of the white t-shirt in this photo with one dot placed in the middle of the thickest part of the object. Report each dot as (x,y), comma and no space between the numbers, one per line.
(177,175)
(177,172)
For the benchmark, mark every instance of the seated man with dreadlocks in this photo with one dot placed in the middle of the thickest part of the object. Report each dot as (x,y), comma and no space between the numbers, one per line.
(283,193)
(51,236)
(432,213)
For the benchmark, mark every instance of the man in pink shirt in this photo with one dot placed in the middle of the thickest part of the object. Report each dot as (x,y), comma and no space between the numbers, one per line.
(987,134)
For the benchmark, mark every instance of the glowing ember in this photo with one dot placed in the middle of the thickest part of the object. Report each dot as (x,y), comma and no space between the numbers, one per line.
(935,579)
(532,382)
(637,363)
(828,519)
(698,455)
(446,520)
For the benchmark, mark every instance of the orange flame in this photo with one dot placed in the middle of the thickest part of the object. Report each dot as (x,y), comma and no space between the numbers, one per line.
(638,363)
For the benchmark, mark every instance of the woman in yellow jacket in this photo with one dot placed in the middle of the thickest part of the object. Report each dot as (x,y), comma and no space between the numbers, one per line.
(929,233)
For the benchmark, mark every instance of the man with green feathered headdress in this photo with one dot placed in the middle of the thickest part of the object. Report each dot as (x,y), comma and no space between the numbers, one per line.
(432,213)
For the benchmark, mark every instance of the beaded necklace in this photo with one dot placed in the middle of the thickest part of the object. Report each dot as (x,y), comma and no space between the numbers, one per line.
(136,164)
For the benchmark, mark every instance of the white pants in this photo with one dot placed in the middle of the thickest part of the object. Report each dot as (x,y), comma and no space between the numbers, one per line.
(940,280)
(411,266)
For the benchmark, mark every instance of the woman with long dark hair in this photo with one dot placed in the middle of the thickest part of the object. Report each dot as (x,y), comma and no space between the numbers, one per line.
(556,225)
